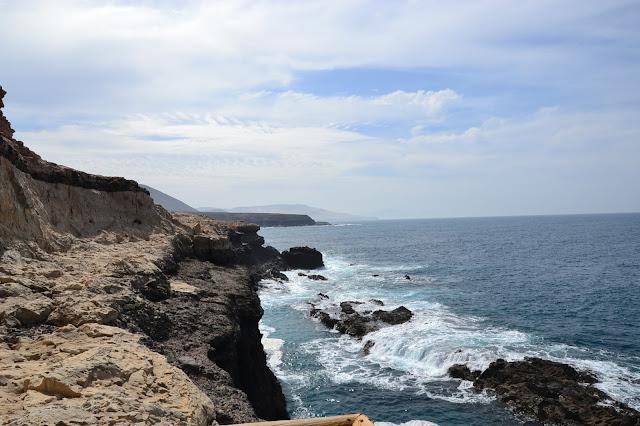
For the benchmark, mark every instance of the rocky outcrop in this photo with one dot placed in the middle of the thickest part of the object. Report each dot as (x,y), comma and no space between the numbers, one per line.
(112,311)
(348,320)
(550,392)
(303,258)
(5,126)
(95,374)
(264,219)
(52,214)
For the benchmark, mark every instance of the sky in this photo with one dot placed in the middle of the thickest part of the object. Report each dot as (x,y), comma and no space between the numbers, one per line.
(393,109)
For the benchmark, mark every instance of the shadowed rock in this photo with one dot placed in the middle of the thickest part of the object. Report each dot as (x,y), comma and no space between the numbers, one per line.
(351,322)
(553,393)
(461,371)
(303,258)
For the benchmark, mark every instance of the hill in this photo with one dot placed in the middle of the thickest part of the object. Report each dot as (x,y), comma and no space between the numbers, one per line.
(168,202)
(264,219)
(317,214)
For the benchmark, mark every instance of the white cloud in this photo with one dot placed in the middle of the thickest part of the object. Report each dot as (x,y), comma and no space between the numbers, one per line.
(139,53)
(198,99)
(206,160)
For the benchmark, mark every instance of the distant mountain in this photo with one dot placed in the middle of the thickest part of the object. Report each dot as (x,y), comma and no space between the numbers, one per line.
(319,215)
(168,202)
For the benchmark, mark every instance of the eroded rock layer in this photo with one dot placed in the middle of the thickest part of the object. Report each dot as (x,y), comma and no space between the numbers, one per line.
(112,311)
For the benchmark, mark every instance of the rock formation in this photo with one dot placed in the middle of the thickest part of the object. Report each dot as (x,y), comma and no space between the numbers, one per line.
(5,126)
(303,258)
(264,219)
(113,311)
(348,321)
(549,392)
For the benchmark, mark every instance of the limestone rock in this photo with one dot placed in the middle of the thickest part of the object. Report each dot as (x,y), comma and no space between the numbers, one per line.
(95,374)
(101,292)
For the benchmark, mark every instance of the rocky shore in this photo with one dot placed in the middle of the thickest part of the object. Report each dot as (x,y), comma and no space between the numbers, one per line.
(549,392)
(113,311)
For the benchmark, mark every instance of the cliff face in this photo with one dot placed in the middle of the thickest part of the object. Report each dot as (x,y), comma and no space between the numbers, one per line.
(5,126)
(112,311)
(48,203)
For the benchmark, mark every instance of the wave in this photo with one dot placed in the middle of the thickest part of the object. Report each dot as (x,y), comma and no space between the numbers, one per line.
(417,355)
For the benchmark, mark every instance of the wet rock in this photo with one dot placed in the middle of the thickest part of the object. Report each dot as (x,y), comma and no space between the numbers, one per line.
(461,371)
(303,258)
(357,325)
(397,316)
(317,277)
(347,308)
(367,347)
(554,393)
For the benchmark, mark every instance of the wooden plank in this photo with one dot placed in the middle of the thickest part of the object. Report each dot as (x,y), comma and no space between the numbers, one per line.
(344,420)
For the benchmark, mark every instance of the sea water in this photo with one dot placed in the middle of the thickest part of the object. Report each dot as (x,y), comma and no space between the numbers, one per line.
(564,288)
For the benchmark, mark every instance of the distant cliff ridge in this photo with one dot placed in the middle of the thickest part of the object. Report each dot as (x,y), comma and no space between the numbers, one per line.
(264,219)
(320,215)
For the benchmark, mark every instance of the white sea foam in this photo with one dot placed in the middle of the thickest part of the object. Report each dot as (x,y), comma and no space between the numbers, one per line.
(418,354)
(272,347)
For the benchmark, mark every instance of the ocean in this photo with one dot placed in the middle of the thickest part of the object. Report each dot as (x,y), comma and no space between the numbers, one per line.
(564,288)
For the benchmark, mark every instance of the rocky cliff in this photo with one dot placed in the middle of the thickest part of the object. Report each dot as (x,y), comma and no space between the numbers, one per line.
(265,219)
(113,311)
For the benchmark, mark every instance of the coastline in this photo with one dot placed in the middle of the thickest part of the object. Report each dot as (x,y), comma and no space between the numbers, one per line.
(115,311)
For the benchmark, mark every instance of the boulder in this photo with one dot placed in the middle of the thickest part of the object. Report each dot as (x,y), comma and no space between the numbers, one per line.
(461,371)
(553,393)
(303,258)
(397,316)
(354,324)
(317,277)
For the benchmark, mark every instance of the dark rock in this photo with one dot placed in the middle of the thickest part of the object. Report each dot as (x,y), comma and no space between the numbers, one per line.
(5,126)
(212,334)
(377,302)
(461,371)
(323,296)
(375,275)
(302,274)
(303,258)
(407,277)
(367,347)
(397,316)
(278,275)
(554,393)
(357,325)
(354,326)
(347,308)
(317,277)
(324,318)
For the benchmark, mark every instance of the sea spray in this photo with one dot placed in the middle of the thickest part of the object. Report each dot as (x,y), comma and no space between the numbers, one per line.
(468,307)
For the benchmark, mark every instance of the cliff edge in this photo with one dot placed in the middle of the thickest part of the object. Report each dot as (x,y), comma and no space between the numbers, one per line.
(113,311)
